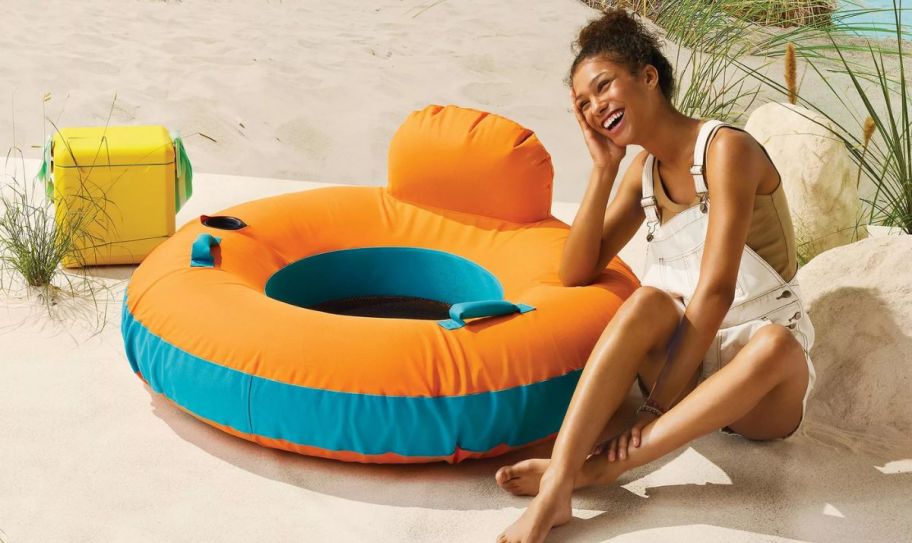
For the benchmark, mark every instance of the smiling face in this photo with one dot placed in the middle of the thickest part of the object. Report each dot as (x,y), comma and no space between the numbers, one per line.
(614,101)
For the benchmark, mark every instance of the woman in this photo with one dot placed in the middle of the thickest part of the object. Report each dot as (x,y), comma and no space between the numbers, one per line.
(717,336)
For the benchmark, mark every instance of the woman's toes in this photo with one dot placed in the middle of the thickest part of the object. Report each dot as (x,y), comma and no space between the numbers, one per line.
(504,474)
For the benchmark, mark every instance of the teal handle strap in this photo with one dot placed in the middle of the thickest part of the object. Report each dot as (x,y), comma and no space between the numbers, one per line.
(201,251)
(45,175)
(481,308)
(183,179)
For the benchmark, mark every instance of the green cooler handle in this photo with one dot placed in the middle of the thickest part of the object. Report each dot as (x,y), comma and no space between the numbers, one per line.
(45,175)
(183,170)
(482,308)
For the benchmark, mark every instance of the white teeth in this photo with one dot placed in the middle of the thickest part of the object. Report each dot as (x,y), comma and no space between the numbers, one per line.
(611,120)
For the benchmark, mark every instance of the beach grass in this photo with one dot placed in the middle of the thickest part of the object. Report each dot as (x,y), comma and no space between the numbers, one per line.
(37,235)
(782,13)
(878,135)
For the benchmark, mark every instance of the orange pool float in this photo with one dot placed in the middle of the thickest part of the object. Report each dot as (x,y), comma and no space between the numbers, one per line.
(229,318)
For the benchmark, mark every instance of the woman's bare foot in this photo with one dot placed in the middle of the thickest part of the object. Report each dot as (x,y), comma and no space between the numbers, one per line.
(523,478)
(549,509)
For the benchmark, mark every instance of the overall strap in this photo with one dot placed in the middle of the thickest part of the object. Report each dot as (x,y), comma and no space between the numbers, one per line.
(698,170)
(648,202)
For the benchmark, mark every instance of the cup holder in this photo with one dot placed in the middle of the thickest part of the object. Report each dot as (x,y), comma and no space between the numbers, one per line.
(222,222)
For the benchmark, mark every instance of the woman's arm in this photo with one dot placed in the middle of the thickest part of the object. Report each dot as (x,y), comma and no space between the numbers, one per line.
(597,233)
(736,170)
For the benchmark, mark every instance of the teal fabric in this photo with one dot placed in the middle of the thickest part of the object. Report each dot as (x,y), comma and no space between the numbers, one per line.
(341,421)
(383,271)
(201,251)
(482,308)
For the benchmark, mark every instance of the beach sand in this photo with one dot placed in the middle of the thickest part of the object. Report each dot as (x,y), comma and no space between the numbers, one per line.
(291,90)
(89,453)
(295,94)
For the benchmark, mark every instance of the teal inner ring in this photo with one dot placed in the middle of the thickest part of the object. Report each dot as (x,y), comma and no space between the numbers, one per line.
(384,276)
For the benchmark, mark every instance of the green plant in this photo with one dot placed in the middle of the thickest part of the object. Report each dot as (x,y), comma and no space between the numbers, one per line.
(782,13)
(32,245)
(30,242)
(646,8)
(709,86)
(36,236)
(724,70)
(33,241)
(877,77)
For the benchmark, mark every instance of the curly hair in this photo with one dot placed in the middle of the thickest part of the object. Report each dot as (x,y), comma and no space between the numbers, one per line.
(623,39)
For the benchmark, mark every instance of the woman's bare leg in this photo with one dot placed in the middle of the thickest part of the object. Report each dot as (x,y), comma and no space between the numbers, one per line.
(649,315)
(758,394)
(643,327)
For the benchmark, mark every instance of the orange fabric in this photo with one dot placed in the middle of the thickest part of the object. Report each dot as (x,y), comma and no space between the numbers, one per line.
(471,161)
(472,184)
(223,316)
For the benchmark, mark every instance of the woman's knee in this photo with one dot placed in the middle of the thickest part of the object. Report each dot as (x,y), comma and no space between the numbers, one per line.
(652,307)
(776,351)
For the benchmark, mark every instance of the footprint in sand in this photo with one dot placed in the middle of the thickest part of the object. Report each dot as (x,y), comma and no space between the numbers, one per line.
(304,137)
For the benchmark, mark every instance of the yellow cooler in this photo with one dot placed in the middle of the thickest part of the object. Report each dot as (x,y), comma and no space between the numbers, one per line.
(116,190)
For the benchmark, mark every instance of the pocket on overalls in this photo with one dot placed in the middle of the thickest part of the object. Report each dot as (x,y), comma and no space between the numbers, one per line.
(652,275)
(734,338)
(682,272)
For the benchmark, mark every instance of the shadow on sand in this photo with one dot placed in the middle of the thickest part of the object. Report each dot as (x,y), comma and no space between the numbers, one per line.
(782,486)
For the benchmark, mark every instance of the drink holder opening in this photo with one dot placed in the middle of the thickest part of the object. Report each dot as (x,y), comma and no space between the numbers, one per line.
(222,222)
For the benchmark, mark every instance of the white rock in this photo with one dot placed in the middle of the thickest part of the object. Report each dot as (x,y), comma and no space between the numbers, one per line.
(859,298)
(818,176)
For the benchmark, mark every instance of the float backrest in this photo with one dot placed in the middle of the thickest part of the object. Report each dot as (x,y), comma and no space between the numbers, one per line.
(473,162)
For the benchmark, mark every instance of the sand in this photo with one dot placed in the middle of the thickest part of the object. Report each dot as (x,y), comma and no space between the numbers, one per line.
(293,90)
(91,454)
(861,304)
(296,94)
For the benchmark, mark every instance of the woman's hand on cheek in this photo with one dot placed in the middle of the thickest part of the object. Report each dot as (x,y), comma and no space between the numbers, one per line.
(604,152)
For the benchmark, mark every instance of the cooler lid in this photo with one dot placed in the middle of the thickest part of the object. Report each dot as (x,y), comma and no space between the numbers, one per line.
(113,145)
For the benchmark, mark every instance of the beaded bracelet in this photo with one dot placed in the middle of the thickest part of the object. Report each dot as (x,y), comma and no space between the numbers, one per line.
(650,409)
(651,406)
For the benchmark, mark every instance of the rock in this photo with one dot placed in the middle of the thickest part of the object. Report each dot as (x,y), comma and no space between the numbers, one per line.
(818,176)
(859,298)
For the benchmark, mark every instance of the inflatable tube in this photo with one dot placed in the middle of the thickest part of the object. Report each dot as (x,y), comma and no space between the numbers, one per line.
(231,318)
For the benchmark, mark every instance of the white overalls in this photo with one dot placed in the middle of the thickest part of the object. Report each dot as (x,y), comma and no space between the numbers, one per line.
(673,257)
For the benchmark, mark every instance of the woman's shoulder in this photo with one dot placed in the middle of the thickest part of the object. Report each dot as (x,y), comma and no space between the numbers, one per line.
(732,138)
(733,143)
(734,156)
